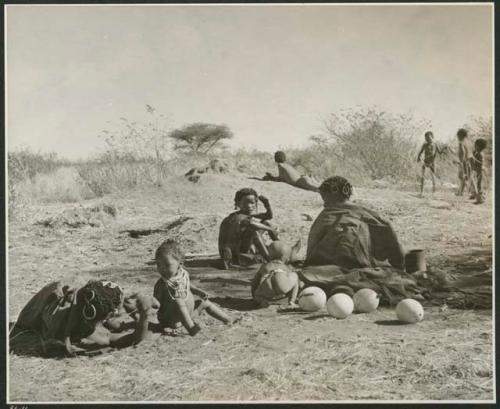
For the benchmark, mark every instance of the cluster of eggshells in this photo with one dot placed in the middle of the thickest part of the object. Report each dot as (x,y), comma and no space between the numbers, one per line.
(366,300)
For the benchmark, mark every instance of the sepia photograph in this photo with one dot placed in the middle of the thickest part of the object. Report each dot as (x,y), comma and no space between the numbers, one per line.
(249,203)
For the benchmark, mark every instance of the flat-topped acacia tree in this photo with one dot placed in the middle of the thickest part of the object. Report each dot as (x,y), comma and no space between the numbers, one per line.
(199,137)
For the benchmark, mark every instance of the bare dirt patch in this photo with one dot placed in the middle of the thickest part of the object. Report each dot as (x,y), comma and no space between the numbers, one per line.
(268,355)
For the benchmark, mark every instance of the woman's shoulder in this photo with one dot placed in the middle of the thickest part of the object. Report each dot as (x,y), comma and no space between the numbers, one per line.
(354,210)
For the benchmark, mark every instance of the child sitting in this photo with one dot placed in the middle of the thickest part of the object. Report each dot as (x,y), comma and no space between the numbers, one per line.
(476,164)
(430,150)
(241,231)
(73,320)
(288,174)
(275,280)
(174,292)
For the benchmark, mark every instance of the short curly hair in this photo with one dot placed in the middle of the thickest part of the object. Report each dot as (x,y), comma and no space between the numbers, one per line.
(429,133)
(480,144)
(169,247)
(462,133)
(246,191)
(336,184)
(279,157)
(98,299)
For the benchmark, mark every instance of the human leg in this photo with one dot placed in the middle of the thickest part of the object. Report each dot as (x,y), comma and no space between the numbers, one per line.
(422,178)
(214,311)
(433,178)
(307,183)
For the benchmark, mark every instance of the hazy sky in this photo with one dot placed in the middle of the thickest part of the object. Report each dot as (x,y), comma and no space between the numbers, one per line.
(269,72)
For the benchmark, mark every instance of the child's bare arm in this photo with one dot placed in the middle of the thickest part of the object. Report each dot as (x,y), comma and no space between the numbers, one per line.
(420,153)
(261,226)
(199,292)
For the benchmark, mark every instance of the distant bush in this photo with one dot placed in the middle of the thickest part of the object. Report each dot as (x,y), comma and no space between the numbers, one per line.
(136,142)
(365,145)
(23,166)
(63,185)
(108,174)
(200,138)
(378,144)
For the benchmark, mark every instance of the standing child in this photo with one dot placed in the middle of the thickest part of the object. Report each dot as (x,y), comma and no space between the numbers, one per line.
(241,231)
(476,164)
(464,156)
(430,150)
(175,292)
(275,280)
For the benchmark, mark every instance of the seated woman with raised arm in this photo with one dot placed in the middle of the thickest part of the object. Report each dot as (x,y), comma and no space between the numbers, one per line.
(242,231)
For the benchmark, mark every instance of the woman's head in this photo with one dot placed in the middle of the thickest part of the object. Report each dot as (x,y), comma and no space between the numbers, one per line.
(335,189)
(99,299)
(246,200)
(169,257)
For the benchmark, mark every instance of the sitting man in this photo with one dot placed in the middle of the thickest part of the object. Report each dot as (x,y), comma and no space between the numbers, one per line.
(288,174)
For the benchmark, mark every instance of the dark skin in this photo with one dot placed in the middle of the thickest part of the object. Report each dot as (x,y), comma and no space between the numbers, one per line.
(102,337)
(233,242)
(428,162)
(168,266)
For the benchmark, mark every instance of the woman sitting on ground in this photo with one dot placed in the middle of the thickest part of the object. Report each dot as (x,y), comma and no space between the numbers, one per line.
(242,231)
(351,247)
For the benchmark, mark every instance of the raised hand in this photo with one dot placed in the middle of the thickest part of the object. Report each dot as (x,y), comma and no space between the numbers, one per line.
(264,200)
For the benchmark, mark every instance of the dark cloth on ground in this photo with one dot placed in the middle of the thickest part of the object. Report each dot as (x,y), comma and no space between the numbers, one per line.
(390,283)
(352,236)
(50,316)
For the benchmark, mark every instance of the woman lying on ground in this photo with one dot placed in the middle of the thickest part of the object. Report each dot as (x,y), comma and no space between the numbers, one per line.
(69,320)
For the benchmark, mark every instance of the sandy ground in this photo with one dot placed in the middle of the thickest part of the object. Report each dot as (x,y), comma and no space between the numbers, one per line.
(268,355)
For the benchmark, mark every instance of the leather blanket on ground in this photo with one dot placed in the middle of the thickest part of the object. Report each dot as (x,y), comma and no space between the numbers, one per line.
(392,284)
(47,319)
(351,247)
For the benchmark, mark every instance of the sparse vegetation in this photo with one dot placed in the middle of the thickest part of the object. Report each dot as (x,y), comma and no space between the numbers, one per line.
(366,145)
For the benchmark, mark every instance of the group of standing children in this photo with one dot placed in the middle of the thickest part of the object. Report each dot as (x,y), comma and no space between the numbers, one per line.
(471,164)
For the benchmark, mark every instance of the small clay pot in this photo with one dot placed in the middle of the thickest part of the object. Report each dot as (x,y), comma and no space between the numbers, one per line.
(415,261)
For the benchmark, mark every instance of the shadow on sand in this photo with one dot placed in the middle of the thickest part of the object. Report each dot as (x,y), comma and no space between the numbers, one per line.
(239,304)
(390,322)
